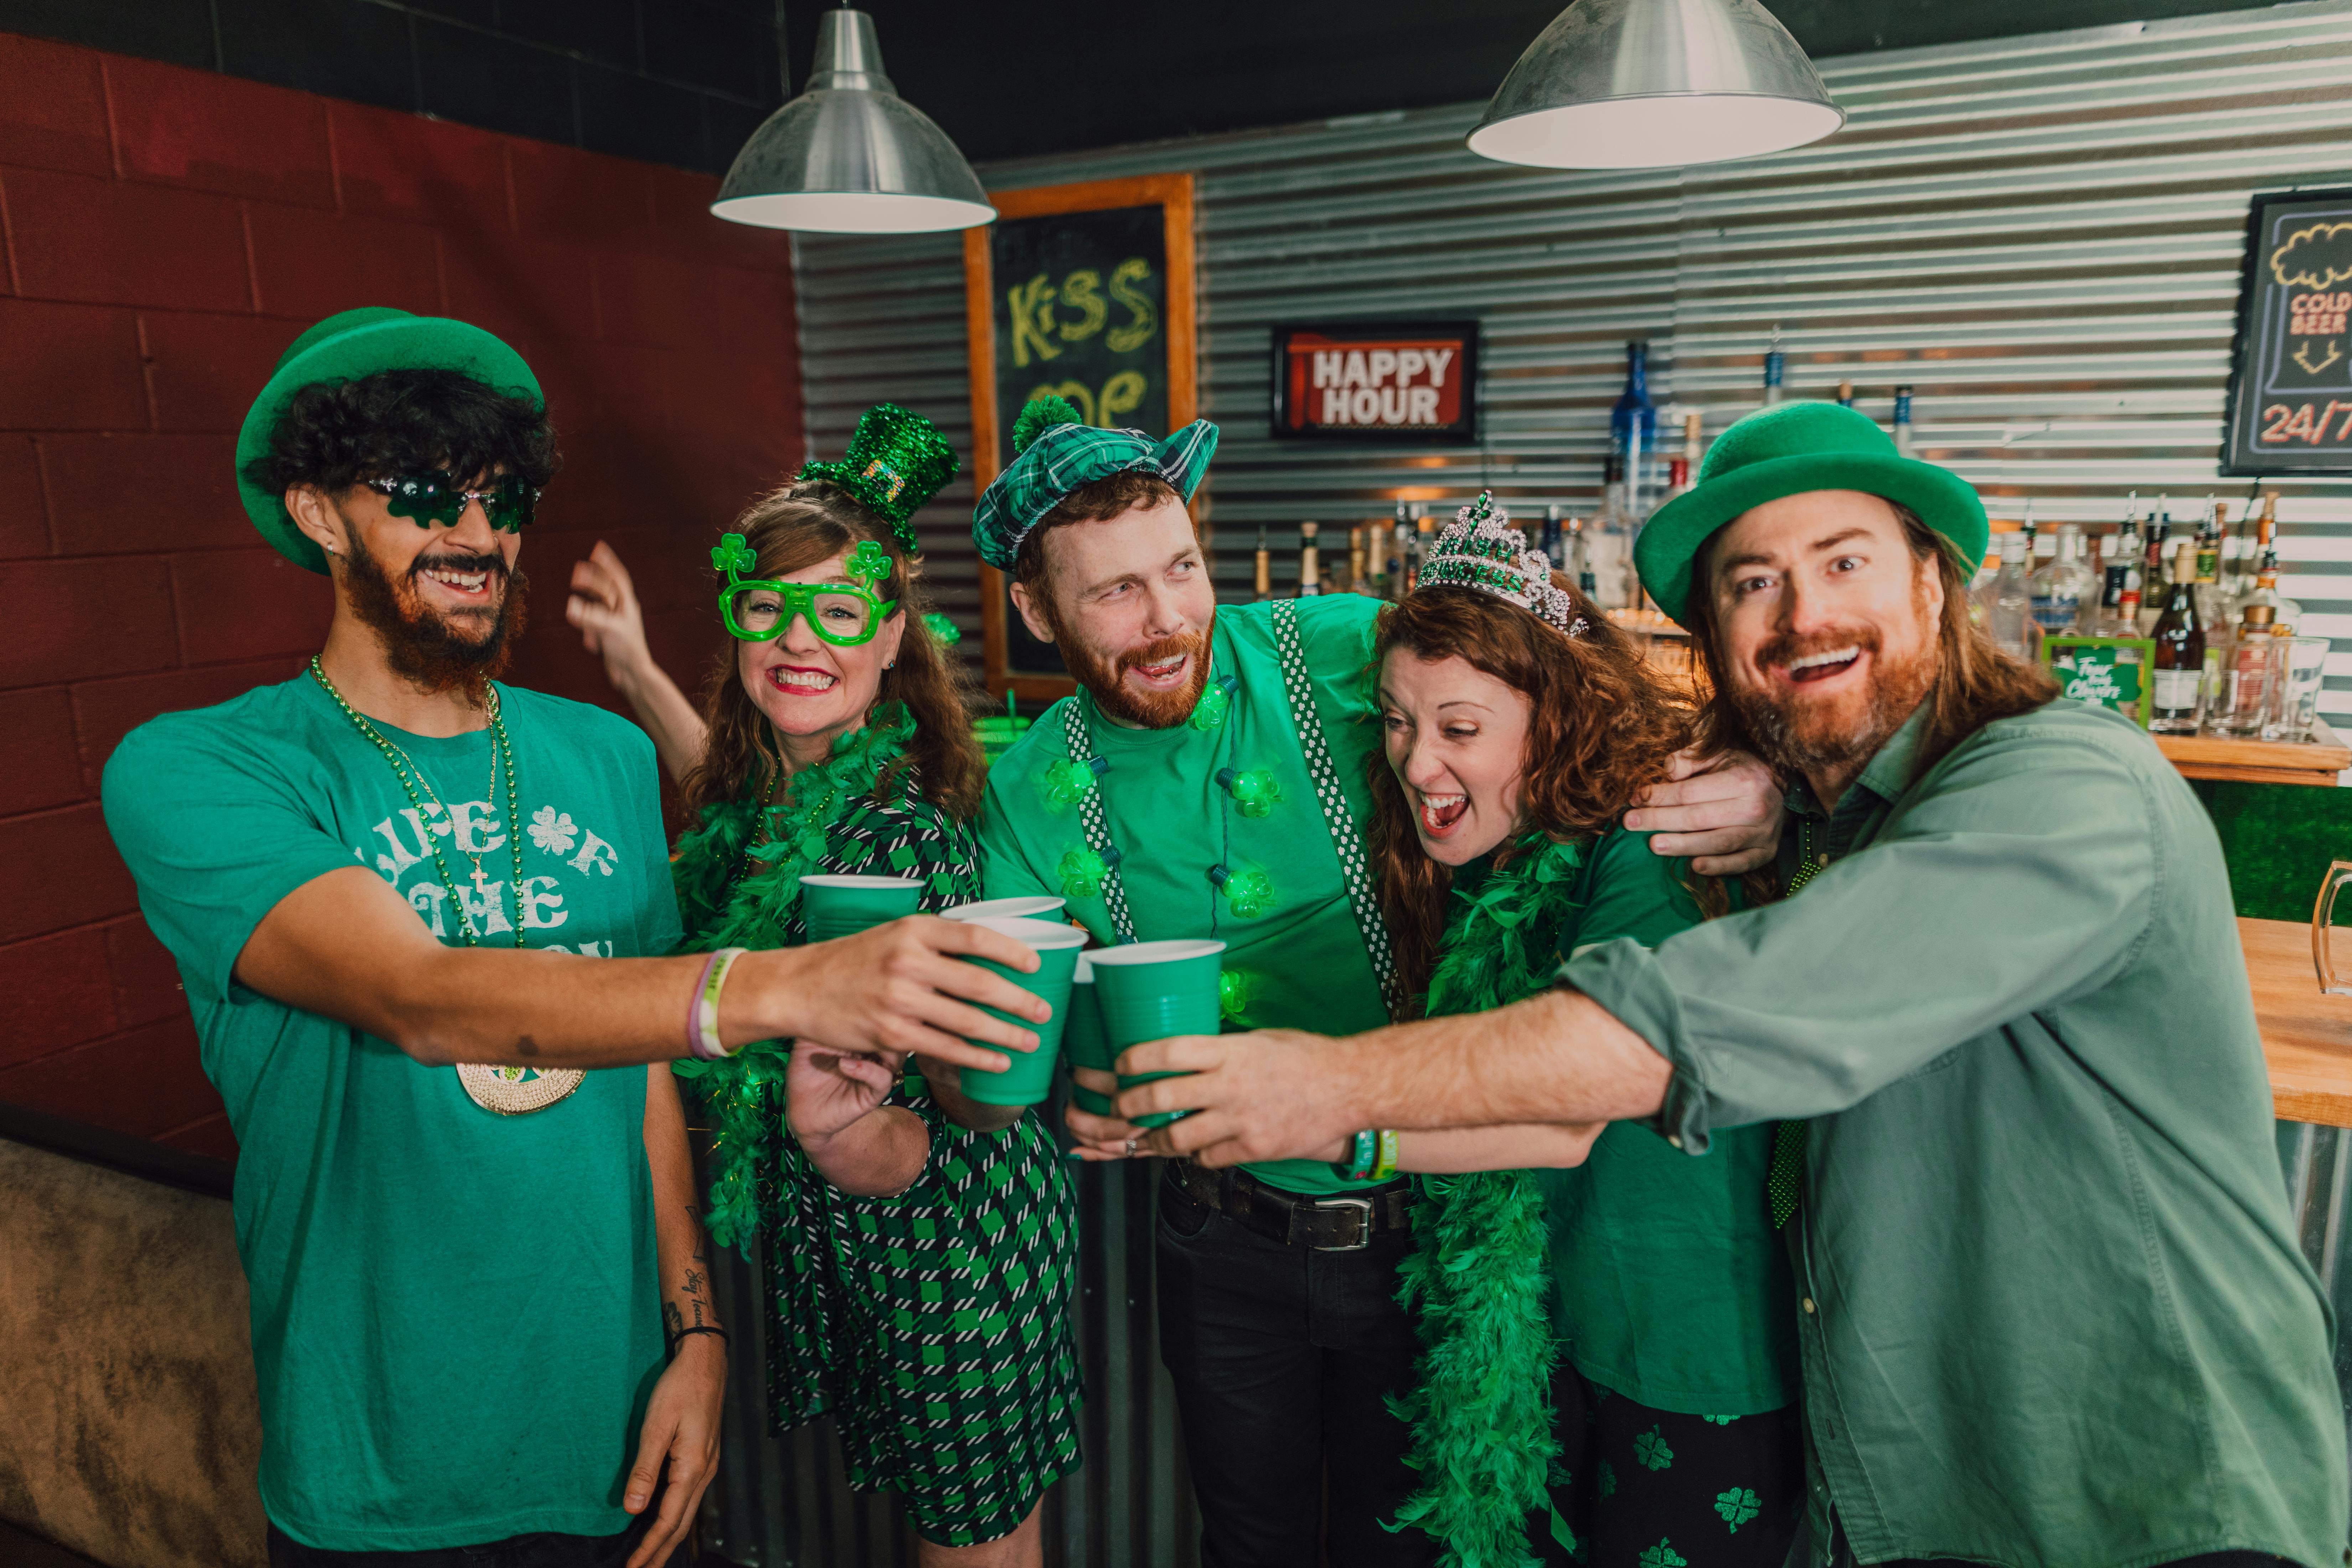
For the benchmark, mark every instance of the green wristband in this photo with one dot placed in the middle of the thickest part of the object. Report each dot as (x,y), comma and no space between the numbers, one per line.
(1367,1154)
(1386,1165)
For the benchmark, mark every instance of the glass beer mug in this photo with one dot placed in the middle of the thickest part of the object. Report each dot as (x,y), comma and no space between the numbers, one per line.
(2338,873)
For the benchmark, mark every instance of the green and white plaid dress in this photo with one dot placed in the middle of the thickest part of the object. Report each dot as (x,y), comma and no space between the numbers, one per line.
(935,1325)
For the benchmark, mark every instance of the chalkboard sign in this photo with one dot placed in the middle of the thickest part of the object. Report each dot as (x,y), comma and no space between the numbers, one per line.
(1082,292)
(2291,373)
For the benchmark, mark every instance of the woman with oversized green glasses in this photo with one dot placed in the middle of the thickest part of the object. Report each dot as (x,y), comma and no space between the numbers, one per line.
(897,1218)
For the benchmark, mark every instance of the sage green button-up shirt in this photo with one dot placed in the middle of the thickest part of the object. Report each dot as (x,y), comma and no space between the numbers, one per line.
(2051,1310)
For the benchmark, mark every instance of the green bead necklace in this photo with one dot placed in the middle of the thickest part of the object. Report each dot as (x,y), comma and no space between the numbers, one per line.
(405,769)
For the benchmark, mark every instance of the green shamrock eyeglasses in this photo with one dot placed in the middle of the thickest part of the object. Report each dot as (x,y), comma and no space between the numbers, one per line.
(759,610)
(436,499)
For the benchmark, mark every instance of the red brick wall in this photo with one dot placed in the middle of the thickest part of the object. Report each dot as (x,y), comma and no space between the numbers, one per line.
(168,233)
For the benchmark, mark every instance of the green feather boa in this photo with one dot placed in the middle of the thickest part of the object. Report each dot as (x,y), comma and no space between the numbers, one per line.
(1481,1272)
(734,893)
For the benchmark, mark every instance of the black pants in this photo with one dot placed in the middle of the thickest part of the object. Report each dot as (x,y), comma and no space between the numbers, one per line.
(544,1549)
(1283,1359)
(1651,1486)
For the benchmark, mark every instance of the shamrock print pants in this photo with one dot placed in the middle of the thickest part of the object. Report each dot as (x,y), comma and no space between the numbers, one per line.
(1650,1488)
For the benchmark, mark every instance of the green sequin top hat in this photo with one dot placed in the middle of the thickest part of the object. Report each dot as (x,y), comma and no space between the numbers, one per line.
(1054,453)
(1480,550)
(1786,450)
(349,346)
(897,461)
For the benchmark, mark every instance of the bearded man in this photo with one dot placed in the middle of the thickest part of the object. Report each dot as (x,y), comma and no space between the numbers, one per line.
(2052,1309)
(482,1323)
(1209,780)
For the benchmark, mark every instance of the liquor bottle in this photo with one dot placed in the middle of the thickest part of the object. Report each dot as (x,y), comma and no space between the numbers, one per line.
(1694,445)
(2151,571)
(1845,394)
(1775,367)
(2061,588)
(1633,429)
(1555,547)
(1356,559)
(2250,670)
(1310,568)
(1408,550)
(2123,566)
(1582,557)
(2178,677)
(2009,600)
(2210,528)
(1609,542)
(1264,582)
(1424,539)
(2035,553)
(1904,441)
(1376,557)
(2239,557)
(2264,593)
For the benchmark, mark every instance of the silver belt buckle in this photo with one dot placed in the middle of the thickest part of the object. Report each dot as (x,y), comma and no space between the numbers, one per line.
(1363,1235)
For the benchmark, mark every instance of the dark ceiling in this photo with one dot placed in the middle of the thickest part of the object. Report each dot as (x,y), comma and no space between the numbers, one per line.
(683,81)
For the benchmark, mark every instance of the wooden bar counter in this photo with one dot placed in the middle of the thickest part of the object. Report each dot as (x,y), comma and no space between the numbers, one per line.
(2314,762)
(2306,1033)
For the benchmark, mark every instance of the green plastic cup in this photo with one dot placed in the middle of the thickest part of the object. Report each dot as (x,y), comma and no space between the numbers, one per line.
(1090,1102)
(1084,1043)
(1033,907)
(838,906)
(1151,990)
(1030,1079)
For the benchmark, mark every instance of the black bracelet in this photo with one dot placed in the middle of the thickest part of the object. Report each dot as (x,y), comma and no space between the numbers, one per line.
(702,1329)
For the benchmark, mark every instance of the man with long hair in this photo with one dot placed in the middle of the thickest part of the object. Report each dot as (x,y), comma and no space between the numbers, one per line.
(1210,781)
(414,908)
(2051,1305)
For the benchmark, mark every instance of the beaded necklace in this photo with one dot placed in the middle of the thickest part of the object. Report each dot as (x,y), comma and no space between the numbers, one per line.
(405,769)
(506,1090)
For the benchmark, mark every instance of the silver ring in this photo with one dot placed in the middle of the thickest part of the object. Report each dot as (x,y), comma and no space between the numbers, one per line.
(1131,1148)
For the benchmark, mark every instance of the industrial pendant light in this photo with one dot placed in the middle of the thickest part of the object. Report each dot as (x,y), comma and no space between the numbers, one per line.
(849,155)
(1635,84)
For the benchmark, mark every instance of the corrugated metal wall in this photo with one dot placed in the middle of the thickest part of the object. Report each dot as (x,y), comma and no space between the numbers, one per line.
(2041,235)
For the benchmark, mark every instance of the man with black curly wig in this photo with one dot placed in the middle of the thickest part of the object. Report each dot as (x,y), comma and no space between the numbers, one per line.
(421,918)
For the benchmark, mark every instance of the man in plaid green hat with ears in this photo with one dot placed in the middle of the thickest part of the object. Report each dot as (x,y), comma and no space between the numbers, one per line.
(1209,782)
(2053,1307)
(417,910)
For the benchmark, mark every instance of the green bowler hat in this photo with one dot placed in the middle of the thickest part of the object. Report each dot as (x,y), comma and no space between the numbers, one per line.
(347,347)
(1054,453)
(1787,450)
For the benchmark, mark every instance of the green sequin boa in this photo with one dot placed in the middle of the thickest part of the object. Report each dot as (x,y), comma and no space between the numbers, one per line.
(734,893)
(1481,1272)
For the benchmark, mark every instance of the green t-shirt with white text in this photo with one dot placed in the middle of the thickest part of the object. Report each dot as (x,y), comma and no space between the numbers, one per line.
(456,1313)
(1300,965)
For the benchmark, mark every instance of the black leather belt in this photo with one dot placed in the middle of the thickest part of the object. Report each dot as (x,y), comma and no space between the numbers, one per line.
(1345,1222)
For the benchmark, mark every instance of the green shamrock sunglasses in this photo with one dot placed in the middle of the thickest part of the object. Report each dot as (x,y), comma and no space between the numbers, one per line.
(438,499)
(761,609)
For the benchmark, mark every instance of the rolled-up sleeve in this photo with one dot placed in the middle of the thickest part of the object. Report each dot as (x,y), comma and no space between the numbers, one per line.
(2022,874)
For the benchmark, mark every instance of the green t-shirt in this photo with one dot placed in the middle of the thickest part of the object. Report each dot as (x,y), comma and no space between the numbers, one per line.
(1669,1285)
(455,1314)
(1301,964)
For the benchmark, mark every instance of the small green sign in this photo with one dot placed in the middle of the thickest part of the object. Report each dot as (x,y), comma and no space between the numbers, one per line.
(2105,672)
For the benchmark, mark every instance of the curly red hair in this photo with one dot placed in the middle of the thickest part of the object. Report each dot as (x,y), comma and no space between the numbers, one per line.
(1603,726)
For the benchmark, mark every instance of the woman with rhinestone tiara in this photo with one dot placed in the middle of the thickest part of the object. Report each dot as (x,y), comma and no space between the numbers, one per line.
(1609,1353)
(919,1248)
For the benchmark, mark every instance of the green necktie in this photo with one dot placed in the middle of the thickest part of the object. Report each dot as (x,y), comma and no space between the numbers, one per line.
(1784,1181)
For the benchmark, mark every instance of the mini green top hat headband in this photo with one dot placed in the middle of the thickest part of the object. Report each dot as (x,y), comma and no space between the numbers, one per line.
(896,460)
(858,605)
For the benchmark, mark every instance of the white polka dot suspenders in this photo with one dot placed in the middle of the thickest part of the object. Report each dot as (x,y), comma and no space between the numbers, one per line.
(1097,827)
(1355,869)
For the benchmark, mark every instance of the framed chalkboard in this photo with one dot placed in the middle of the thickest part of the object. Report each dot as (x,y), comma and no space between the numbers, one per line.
(2291,369)
(1083,291)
